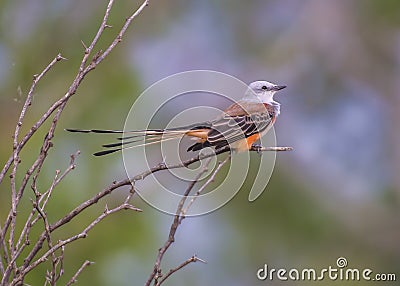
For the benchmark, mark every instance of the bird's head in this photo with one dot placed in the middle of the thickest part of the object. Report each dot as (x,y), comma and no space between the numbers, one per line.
(262,91)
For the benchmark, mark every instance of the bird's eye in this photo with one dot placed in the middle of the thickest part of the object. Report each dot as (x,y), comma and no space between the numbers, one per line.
(264,87)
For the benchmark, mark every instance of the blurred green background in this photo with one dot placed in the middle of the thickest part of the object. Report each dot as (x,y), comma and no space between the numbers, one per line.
(336,195)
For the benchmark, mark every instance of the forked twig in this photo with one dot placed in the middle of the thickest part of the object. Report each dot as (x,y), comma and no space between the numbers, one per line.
(83,266)
(192,259)
(156,274)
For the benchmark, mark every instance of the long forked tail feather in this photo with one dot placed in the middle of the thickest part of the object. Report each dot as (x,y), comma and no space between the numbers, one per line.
(138,132)
(139,138)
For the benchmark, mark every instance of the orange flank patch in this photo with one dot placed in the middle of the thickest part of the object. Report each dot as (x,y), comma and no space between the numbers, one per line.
(252,139)
(243,145)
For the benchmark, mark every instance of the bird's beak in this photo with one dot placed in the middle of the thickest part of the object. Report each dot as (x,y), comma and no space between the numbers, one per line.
(278,87)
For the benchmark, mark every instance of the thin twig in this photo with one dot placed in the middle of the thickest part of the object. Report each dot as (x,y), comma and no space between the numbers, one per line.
(156,274)
(125,27)
(62,243)
(192,259)
(182,214)
(16,160)
(202,188)
(27,103)
(23,240)
(96,38)
(52,274)
(83,266)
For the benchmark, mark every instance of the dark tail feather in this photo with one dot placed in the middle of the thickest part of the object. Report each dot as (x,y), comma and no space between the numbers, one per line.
(106,152)
(160,132)
(93,130)
(106,131)
(111,145)
(199,146)
(120,144)
(77,130)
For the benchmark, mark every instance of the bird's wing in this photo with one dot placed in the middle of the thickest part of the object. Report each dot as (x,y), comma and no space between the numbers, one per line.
(229,129)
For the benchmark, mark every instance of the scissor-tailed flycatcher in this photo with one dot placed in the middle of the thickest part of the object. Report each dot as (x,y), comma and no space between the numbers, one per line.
(238,127)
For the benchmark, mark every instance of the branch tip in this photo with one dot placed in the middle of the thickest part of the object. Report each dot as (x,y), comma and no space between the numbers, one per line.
(131,207)
(59,57)
(199,259)
(84,46)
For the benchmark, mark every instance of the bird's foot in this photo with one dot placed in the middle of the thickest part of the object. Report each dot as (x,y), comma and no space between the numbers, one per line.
(257,148)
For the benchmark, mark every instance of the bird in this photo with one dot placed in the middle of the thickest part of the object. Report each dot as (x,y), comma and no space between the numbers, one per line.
(238,127)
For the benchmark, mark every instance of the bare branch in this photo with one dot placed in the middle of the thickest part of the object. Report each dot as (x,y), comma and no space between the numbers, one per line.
(274,149)
(52,275)
(57,108)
